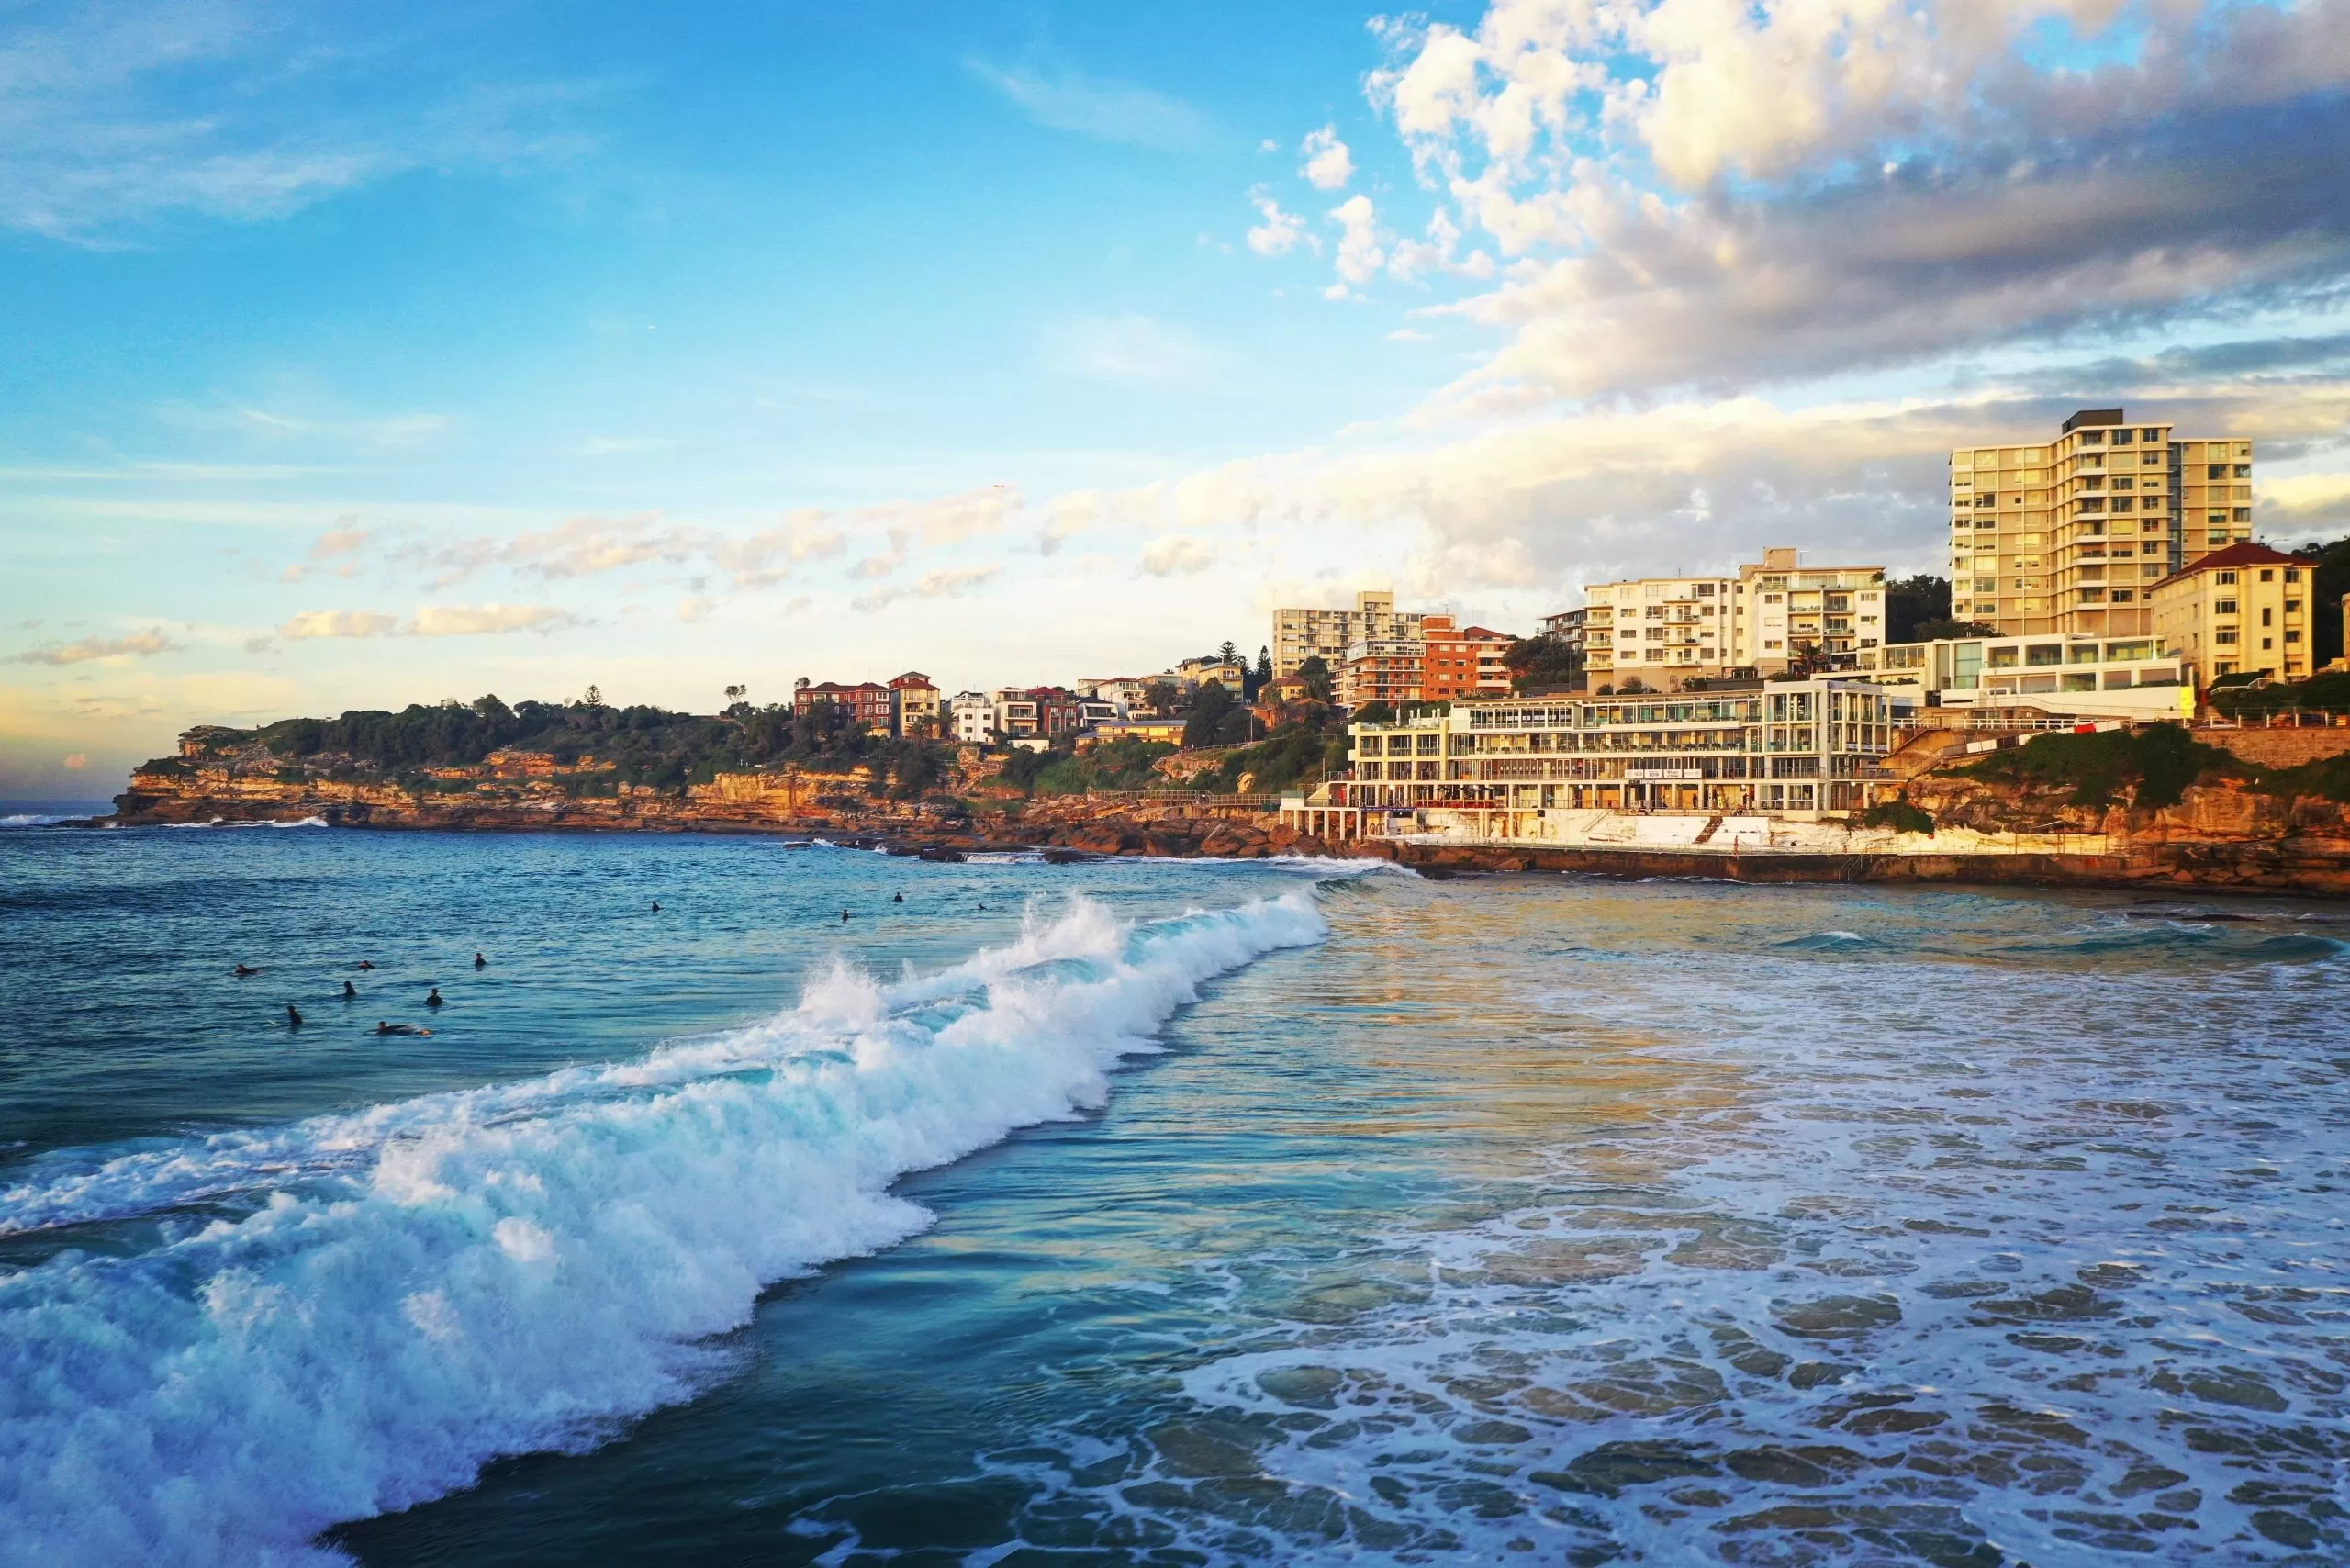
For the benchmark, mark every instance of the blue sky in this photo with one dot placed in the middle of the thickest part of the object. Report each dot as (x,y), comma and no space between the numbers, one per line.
(356,359)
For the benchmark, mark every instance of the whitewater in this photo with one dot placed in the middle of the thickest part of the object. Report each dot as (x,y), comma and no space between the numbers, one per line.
(254,1334)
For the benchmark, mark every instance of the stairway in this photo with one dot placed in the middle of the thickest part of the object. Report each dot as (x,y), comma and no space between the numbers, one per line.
(1713,826)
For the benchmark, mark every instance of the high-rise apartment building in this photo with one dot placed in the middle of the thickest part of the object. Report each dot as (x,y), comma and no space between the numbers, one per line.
(2068,538)
(1300,635)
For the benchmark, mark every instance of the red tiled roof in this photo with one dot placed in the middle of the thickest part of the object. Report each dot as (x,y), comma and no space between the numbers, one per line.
(2235,557)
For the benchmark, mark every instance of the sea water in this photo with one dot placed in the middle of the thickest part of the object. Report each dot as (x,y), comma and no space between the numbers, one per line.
(1151,1213)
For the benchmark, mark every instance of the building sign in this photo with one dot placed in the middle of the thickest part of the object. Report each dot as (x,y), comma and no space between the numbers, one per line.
(1651,775)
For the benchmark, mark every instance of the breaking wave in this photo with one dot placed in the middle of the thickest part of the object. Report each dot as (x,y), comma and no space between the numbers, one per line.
(277,1330)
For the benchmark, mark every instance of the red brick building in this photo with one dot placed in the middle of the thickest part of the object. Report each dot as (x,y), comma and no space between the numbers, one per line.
(1466,661)
(872,705)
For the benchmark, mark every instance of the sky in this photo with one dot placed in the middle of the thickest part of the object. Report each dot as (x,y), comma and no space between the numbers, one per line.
(351,356)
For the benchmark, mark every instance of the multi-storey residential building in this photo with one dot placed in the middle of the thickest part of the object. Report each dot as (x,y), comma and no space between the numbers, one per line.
(1992,682)
(868,704)
(1464,661)
(2068,538)
(1125,691)
(1232,676)
(1300,635)
(1659,630)
(970,717)
(1788,747)
(913,704)
(1041,713)
(2244,610)
(1380,669)
(1780,607)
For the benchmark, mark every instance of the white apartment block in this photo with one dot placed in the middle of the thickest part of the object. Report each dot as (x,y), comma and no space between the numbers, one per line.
(1659,629)
(1300,635)
(1782,606)
(970,718)
(2066,539)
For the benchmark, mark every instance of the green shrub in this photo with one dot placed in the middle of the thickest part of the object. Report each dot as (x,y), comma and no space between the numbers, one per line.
(2160,760)
(1899,815)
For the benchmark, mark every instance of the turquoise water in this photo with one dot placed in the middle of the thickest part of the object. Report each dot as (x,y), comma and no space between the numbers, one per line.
(1154,1212)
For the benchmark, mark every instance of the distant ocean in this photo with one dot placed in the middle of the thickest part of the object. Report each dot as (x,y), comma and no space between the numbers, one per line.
(1150,1213)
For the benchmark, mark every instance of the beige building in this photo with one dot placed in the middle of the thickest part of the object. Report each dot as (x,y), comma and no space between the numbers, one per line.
(1659,630)
(1379,669)
(2069,537)
(1300,635)
(1781,607)
(914,705)
(2245,610)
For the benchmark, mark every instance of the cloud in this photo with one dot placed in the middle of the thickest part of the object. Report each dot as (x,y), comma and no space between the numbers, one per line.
(947,584)
(1359,255)
(76,761)
(1689,196)
(1328,165)
(338,623)
(123,114)
(1281,232)
(766,557)
(1133,349)
(1176,557)
(139,644)
(486,620)
(1096,106)
(589,546)
(1549,502)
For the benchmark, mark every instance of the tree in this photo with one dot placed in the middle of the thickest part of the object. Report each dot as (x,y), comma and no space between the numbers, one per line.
(1227,654)
(1254,680)
(1943,629)
(595,698)
(2327,584)
(1210,705)
(1163,696)
(1546,660)
(1910,602)
(1316,673)
(1375,713)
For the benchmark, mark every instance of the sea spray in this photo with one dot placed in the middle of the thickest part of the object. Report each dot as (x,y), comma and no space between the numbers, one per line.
(390,1299)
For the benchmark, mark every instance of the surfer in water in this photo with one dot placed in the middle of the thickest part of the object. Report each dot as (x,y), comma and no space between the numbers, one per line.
(293,1016)
(243,970)
(365,965)
(350,991)
(480,962)
(384,1029)
(434,1000)
(656,906)
(900,899)
(843,917)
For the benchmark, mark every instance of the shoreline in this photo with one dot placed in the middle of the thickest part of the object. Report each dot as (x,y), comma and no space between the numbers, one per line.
(2263,868)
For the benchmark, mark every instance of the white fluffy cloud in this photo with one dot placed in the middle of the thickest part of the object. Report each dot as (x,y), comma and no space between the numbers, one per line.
(1360,254)
(1697,193)
(338,623)
(432,621)
(1328,165)
(951,583)
(137,644)
(1281,232)
(489,620)
(1176,556)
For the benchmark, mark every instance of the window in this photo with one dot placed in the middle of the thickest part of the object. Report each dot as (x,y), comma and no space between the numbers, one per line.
(2292,637)
(2267,616)
(2292,607)
(2227,577)
(2223,607)
(2267,573)
(2226,637)
(2215,471)
(2124,438)
(2123,596)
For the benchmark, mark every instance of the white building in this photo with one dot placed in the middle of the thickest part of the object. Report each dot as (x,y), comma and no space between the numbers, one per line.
(1997,682)
(1300,635)
(1659,630)
(1781,607)
(970,717)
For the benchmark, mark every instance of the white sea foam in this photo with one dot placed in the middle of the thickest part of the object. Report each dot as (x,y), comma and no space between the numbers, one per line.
(34,819)
(405,1293)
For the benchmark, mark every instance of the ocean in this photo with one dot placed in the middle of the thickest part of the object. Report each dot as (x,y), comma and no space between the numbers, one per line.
(1151,1213)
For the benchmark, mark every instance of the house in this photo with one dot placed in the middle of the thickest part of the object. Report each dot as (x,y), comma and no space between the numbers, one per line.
(868,704)
(914,709)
